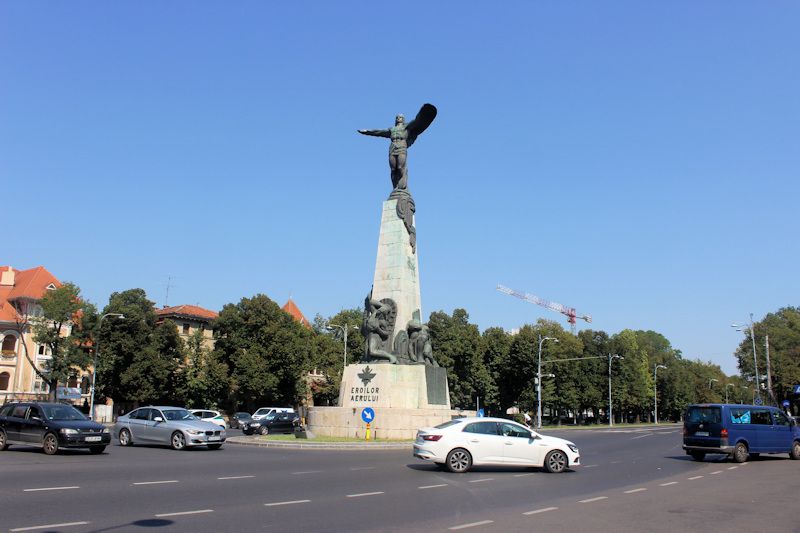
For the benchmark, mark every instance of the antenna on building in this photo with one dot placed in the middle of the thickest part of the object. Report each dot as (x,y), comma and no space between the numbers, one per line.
(169,283)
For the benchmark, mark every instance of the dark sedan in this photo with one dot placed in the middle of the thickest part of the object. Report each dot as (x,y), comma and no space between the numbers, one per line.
(272,423)
(50,426)
(240,419)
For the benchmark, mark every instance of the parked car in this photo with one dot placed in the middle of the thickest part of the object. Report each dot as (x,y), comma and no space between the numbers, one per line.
(51,426)
(239,419)
(173,426)
(210,416)
(462,443)
(740,431)
(263,412)
(284,422)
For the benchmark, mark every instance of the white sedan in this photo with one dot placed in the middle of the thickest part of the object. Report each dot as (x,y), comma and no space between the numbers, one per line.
(210,416)
(463,442)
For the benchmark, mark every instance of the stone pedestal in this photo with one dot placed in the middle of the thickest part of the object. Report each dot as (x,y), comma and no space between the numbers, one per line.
(397,268)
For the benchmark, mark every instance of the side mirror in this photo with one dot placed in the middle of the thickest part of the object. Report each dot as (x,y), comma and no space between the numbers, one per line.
(158,419)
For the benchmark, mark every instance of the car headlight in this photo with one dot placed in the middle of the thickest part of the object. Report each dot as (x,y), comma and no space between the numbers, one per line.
(194,432)
(67,431)
(573,447)
(106,430)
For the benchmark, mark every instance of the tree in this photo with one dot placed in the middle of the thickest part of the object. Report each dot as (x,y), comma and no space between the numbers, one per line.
(64,327)
(205,382)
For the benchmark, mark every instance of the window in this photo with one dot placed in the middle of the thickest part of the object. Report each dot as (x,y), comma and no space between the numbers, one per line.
(513,430)
(39,385)
(72,382)
(4,378)
(42,349)
(85,385)
(9,345)
(19,411)
(484,428)
(740,416)
(761,417)
(6,410)
(186,329)
(699,415)
(780,418)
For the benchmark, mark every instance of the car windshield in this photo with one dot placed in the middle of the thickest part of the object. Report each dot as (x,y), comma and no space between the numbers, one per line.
(62,412)
(179,414)
(261,411)
(243,416)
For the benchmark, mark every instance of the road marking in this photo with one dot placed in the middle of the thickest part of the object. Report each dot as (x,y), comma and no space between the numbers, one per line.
(732,467)
(235,477)
(695,477)
(364,494)
(473,524)
(537,511)
(362,468)
(589,466)
(50,526)
(668,484)
(642,489)
(744,464)
(306,472)
(432,486)
(717,472)
(286,503)
(525,475)
(164,515)
(156,482)
(642,436)
(615,462)
(590,500)
(482,479)
(50,488)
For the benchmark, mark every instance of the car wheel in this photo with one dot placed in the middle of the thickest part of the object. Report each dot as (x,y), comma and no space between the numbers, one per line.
(740,453)
(178,441)
(458,461)
(263,430)
(214,446)
(125,438)
(3,440)
(794,453)
(698,456)
(97,450)
(50,444)
(555,462)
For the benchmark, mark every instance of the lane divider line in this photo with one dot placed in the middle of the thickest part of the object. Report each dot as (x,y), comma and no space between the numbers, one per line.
(182,513)
(50,526)
(50,488)
(525,475)
(355,469)
(537,511)
(156,482)
(668,484)
(642,489)
(473,524)
(432,486)
(590,500)
(694,477)
(306,472)
(481,480)
(717,472)
(364,494)
(732,467)
(235,477)
(293,502)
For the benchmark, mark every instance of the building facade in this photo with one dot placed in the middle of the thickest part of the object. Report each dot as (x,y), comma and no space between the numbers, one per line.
(190,319)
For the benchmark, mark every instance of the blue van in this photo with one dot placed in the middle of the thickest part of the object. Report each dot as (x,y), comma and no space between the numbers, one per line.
(740,431)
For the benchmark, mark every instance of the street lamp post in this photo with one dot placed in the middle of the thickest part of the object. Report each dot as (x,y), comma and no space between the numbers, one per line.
(655,391)
(94,359)
(726,391)
(748,393)
(710,381)
(755,360)
(539,382)
(344,331)
(610,409)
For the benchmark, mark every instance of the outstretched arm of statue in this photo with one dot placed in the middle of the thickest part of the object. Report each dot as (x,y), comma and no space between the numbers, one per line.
(375,133)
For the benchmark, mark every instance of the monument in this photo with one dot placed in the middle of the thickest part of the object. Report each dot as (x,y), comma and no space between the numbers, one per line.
(398,376)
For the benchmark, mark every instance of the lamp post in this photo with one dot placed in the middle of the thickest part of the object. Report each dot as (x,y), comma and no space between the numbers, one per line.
(748,391)
(344,331)
(755,360)
(710,381)
(610,409)
(539,382)
(94,359)
(655,391)
(726,391)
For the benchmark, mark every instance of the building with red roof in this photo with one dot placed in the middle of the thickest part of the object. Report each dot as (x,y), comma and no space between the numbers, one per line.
(291,308)
(189,319)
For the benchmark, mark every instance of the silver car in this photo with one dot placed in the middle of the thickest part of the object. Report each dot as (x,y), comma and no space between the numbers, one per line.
(173,426)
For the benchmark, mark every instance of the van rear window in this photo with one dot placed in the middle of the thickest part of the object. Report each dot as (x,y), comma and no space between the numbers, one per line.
(698,415)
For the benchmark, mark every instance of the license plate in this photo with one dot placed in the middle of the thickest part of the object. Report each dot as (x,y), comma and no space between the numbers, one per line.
(701,433)
(93,439)
(212,438)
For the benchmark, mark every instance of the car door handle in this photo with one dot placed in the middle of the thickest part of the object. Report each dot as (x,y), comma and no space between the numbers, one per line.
(509,443)
(474,440)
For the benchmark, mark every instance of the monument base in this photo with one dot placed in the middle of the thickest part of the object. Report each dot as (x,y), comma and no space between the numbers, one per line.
(404,398)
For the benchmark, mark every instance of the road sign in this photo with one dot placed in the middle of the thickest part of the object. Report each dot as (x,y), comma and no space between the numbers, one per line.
(367,414)
(786,403)
(480,412)
(758,401)
(797,389)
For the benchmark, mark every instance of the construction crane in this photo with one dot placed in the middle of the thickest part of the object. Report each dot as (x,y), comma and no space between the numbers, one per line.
(569,312)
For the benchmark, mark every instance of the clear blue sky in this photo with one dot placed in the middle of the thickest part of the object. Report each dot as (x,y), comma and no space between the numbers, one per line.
(636,160)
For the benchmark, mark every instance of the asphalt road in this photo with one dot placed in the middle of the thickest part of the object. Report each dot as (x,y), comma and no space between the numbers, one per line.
(631,480)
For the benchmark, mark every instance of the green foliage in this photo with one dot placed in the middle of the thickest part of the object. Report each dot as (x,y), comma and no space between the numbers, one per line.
(204,381)
(65,327)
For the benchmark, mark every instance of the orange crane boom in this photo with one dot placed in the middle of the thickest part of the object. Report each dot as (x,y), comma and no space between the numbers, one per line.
(569,312)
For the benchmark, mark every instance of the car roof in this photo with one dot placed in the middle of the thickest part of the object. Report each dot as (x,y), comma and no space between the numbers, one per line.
(468,419)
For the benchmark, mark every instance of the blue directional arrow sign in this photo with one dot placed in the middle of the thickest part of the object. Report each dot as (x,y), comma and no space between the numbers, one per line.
(367,415)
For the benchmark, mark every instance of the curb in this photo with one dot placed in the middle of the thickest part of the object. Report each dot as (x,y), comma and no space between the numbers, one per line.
(244,441)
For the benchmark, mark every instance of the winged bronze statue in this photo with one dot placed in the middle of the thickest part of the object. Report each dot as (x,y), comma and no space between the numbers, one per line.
(402,136)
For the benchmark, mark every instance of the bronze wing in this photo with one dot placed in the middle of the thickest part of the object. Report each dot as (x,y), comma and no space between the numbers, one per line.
(421,122)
